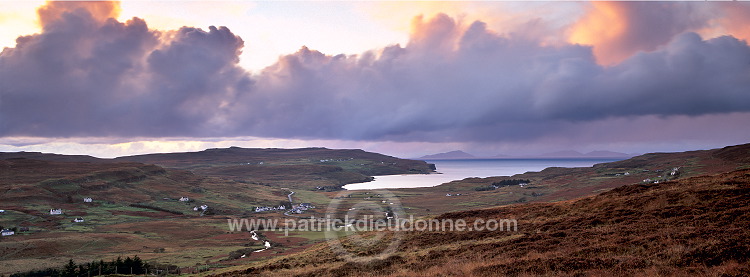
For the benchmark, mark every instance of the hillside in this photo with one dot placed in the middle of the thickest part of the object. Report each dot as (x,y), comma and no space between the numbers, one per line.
(136,207)
(304,168)
(49,157)
(560,184)
(692,226)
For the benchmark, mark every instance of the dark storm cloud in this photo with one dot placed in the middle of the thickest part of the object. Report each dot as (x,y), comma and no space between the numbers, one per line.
(88,76)
(452,83)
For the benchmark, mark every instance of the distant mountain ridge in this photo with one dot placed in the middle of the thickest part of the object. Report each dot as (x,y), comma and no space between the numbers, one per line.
(452,155)
(592,154)
(570,154)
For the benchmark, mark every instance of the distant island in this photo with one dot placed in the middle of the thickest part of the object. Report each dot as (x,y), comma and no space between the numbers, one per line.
(452,155)
(566,154)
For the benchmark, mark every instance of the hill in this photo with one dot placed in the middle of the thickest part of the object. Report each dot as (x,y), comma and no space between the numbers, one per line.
(50,157)
(136,211)
(693,226)
(306,167)
(592,154)
(560,184)
(563,154)
(606,154)
(136,207)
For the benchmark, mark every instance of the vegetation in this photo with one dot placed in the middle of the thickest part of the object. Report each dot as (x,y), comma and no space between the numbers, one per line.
(686,226)
(690,227)
(118,266)
(137,205)
(503,183)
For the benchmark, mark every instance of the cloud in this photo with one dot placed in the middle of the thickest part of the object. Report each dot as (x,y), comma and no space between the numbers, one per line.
(459,82)
(89,75)
(617,30)
(98,10)
(736,19)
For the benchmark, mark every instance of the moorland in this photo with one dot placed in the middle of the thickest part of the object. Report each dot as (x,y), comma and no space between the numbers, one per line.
(659,213)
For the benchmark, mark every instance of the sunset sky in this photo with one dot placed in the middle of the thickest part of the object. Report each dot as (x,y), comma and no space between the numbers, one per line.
(400,78)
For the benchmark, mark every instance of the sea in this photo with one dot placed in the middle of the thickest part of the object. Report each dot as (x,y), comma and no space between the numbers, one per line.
(450,170)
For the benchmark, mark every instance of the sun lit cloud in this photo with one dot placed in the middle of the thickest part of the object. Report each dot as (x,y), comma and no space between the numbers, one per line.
(737,19)
(544,21)
(99,10)
(15,20)
(605,22)
(273,29)
(618,30)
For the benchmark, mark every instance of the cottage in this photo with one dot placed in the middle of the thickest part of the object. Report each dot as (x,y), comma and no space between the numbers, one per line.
(204,207)
(78,220)
(55,211)
(88,200)
(2,211)
(675,171)
(448,194)
(184,199)
(6,232)
(306,205)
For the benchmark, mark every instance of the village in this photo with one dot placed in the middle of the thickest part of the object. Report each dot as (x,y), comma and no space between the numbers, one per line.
(203,209)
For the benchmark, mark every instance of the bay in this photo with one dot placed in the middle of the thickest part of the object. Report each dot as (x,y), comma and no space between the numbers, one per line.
(450,170)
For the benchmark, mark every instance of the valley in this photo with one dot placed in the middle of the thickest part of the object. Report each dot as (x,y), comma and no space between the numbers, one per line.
(136,207)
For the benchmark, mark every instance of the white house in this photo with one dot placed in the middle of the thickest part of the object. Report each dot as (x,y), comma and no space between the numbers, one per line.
(88,200)
(184,199)
(2,211)
(7,232)
(674,171)
(55,211)
(78,220)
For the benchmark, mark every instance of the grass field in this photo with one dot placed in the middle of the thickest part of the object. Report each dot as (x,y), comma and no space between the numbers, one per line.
(160,234)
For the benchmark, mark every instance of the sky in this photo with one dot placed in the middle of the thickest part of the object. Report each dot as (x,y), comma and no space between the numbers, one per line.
(400,78)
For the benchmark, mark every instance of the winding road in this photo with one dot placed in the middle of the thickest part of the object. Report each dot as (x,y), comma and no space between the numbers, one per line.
(290,197)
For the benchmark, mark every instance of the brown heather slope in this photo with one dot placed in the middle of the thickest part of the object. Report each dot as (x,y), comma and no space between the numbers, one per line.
(560,184)
(370,163)
(304,168)
(26,181)
(49,157)
(689,227)
(135,208)
(135,211)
